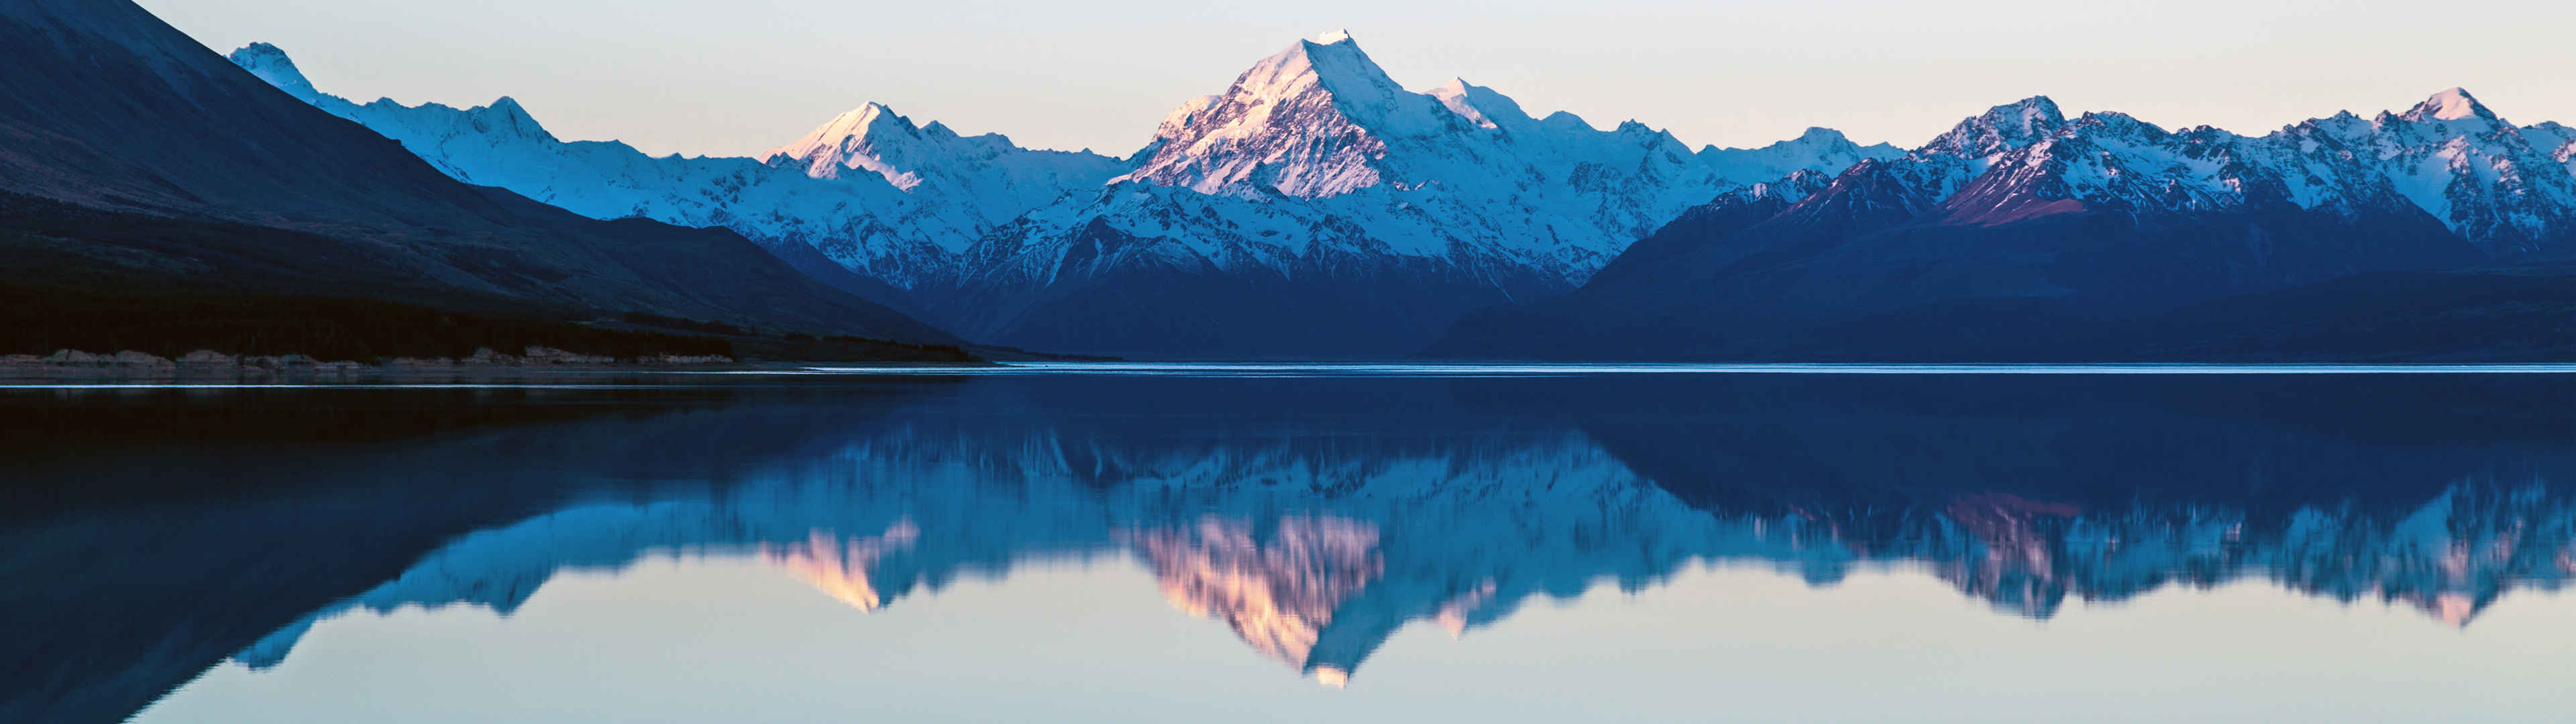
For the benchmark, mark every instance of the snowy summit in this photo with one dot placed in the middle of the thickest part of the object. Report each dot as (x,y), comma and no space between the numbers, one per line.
(2453,105)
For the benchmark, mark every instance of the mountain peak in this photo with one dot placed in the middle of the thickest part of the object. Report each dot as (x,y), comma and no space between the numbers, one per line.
(1337,65)
(2450,105)
(1478,104)
(2011,125)
(1335,37)
(2034,115)
(271,64)
(506,117)
(851,141)
(1814,137)
(1818,150)
(866,120)
(1308,121)
(1566,120)
(260,54)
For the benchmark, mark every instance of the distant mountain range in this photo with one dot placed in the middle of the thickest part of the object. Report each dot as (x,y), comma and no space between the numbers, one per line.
(1316,208)
(2023,234)
(141,172)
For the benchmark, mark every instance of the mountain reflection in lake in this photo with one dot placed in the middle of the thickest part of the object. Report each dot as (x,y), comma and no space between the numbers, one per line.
(196,547)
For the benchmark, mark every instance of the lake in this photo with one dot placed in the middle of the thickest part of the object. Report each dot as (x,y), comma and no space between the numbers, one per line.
(1290,542)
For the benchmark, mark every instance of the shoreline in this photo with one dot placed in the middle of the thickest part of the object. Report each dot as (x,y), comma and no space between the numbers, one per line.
(211,364)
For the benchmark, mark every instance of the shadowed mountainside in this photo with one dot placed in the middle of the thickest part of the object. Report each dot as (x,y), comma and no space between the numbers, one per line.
(135,161)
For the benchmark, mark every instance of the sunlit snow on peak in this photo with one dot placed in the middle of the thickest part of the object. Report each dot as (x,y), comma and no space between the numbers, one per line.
(2452,105)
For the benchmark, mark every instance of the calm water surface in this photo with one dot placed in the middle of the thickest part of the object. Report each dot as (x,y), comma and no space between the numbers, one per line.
(1298,543)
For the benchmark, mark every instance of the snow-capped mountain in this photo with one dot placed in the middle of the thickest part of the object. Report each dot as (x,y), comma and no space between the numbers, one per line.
(2482,176)
(1315,207)
(1322,120)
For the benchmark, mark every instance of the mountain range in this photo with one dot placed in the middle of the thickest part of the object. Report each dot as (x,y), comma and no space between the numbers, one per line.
(2025,234)
(1313,208)
(1316,208)
(155,197)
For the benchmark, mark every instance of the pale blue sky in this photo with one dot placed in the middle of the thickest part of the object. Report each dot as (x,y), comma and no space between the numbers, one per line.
(739,76)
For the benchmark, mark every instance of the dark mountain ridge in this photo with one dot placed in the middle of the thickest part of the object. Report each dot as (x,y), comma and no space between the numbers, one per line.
(138,162)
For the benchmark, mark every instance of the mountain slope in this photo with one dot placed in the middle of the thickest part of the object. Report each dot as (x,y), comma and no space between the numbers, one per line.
(106,107)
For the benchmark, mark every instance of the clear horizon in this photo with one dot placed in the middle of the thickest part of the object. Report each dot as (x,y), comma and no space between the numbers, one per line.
(668,76)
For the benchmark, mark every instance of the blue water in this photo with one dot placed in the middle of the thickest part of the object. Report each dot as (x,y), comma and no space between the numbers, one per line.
(1300,542)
